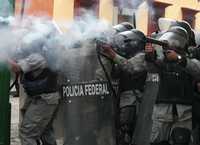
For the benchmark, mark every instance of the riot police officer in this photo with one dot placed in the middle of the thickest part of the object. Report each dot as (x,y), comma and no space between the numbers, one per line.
(172,112)
(100,75)
(110,70)
(193,52)
(39,81)
(130,87)
(187,27)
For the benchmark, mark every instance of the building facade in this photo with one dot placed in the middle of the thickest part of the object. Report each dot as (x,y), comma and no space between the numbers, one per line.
(188,10)
(142,13)
(66,10)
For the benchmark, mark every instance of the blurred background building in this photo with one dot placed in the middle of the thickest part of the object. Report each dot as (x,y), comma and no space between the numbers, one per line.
(142,13)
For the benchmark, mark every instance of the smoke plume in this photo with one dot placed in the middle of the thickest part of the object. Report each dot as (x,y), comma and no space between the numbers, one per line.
(128,3)
(21,38)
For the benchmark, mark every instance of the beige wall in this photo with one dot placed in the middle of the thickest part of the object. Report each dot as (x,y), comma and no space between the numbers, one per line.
(174,11)
(63,10)
(142,16)
(197,24)
(106,10)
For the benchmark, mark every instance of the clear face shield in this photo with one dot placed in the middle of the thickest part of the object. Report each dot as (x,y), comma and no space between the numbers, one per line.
(175,41)
(119,28)
(128,43)
(165,23)
(125,26)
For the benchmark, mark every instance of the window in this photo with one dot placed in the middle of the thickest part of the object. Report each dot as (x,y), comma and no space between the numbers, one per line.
(157,10)
(91,5)
(126,10)
(189,16)
(126,15)
(131,4)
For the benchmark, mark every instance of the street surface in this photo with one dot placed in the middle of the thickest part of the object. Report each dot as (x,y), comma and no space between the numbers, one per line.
(15,122)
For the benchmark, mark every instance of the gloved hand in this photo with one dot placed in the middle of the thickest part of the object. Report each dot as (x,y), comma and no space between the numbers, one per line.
(108,51)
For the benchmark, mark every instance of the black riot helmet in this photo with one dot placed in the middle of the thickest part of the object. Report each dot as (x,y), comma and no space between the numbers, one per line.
(177,38)
(125,26)
(187,27)
(128,43)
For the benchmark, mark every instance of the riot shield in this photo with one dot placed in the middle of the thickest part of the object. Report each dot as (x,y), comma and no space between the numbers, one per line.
(143,128)
(88,103)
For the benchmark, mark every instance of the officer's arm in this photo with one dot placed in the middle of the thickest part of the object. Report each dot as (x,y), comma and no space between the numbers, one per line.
(193,67)
(33,62)
(133,65)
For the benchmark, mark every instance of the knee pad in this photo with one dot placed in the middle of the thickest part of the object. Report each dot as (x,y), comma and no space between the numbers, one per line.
(180,136)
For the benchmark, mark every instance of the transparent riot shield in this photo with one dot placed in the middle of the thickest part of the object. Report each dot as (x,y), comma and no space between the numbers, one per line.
(143,128)
(89,114)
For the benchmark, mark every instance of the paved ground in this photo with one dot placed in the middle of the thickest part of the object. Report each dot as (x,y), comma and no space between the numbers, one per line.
(15,122)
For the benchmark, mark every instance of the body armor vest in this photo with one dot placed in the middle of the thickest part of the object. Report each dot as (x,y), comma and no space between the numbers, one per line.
(175,85)
(128,82)
(46,82)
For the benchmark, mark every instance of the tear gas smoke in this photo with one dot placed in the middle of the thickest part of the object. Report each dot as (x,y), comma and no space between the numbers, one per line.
(77,44)
(5,8)
(9,37)
(128,3)
(23,37)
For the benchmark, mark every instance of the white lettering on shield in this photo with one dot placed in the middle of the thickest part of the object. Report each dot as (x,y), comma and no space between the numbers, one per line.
(85,90)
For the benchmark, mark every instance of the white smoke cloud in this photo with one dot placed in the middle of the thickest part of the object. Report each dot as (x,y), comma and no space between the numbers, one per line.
(23,36)
(78,39)
(5,8)
(128,3)
(85,28)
